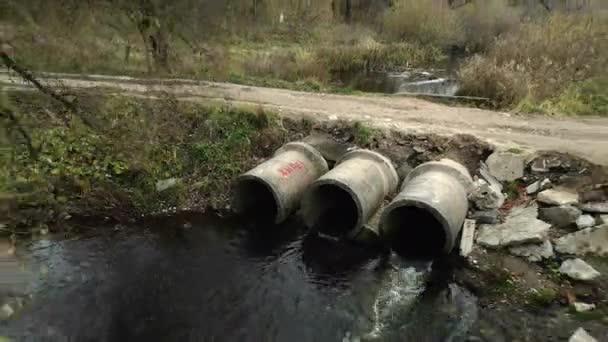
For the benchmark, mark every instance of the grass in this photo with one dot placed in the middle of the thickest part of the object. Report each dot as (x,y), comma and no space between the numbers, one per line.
(554,65)
(525,59)
(541,297)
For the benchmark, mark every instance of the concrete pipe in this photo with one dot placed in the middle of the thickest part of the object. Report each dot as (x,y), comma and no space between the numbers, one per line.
(341,201)
(425,218)
(272,190)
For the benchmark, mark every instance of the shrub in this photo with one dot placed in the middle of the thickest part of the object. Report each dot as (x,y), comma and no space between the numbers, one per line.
(502,84)
(539,61)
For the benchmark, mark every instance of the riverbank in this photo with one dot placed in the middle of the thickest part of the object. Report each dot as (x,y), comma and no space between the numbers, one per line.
(507,54)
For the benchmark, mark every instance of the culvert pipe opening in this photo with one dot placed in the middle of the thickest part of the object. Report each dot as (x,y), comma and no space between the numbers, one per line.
(331,209)
(254,198)
(414,233)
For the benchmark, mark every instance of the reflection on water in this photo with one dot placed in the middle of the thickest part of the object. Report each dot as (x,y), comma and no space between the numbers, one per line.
(229,280)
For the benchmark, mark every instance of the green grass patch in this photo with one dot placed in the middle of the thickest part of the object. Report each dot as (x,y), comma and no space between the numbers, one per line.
(541,297)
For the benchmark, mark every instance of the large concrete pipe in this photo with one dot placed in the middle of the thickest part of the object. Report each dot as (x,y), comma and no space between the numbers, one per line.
(425,218)
(341,201)
(273,190)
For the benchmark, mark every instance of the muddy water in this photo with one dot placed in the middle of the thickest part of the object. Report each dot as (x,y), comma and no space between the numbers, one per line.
(205,278)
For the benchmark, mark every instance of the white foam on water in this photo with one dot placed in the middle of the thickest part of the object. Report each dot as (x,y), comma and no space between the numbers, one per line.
(397,294)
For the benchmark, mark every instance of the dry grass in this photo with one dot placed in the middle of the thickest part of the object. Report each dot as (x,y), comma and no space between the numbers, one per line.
(540,60)
(427,22)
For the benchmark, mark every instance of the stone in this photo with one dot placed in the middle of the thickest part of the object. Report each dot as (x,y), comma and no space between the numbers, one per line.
(467,238)
(485,216)
(6,311)
(560,217)
(485,196)
(577,269)
(587,241)
(585,221)
(166,184)
(506,166)
(330,148)
(581,335)
(595,207)
(538,186)
(520,227)
(602,219)
(544,164)
(557,197)
(534,252)
(583,307)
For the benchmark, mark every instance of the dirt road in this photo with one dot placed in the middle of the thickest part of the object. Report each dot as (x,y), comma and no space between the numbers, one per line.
(582,136)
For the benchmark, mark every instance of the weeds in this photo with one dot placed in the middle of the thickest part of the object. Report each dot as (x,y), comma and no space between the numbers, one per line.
(554,65)
(114,171)
(541,297)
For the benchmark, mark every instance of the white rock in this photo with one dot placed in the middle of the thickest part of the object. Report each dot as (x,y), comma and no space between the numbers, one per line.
(557,197)
(602,219)
(468,237)
(577,269)
(520,227)
(506,166)
(585,221)
(595,207)
(534,252)
(485,196)
(6,311)
(538,186)
(583,307)
(586,241)
(165,184)
(580,335)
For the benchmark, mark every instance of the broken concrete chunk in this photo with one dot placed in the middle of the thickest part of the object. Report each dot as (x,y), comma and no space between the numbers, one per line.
(563,216)
(534,252)
(583,307)
(595,207)
(577,269)
(545,164)
(485,216)
(557,197)
(585,221)
(538,186)
(586,241)
(520,227)
(581,335)
(485,196)
(506,166)
(468,237)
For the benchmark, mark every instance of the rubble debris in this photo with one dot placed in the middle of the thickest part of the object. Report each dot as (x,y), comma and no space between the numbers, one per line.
(506,166)
(581,335)
(557,197)
(534,252)
(560,217)
(587,241)
(520,227)
(578,269)
(468,237)
(585,221)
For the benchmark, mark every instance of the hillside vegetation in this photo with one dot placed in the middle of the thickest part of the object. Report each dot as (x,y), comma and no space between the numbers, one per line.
(530,56)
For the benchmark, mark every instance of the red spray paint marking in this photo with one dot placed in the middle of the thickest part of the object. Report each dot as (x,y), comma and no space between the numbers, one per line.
(291,167)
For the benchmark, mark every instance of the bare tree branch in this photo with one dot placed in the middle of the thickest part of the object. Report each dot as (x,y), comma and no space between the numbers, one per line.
(28,76)
(10,115)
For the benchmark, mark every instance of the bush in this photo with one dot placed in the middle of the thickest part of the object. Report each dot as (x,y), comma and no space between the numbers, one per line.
(539,61)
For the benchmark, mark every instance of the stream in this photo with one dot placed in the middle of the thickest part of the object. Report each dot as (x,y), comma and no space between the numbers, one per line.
(194,277)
